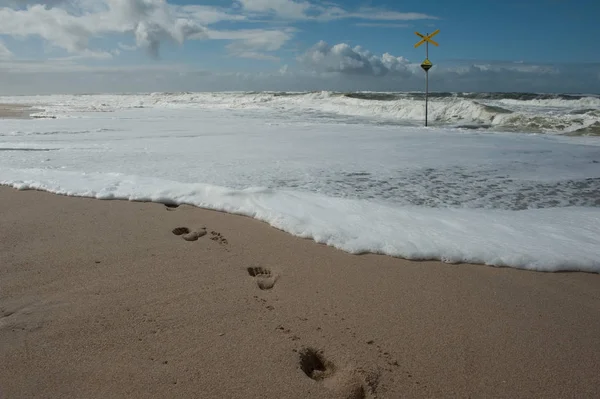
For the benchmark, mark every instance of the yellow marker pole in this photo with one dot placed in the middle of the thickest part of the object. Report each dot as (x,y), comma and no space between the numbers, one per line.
(426,65)
(426,80)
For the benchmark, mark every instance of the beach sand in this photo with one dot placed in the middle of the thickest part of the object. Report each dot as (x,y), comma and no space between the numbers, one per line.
(15,111)
(100,299)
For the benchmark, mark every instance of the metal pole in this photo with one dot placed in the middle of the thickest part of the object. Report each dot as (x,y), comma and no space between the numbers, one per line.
(426,81)
(426,94)
(426,65)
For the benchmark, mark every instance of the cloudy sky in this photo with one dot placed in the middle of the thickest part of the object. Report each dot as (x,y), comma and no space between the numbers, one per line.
(183,45)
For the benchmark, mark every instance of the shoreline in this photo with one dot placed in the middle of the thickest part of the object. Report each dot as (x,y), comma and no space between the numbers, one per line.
(21,111)
(16,111)
(101,299)
(564,267)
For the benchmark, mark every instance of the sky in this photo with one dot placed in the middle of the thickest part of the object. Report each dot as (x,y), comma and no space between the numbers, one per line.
(90,46)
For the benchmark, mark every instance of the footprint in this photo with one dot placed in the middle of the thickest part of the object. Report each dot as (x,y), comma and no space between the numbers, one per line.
(194,235)
(264,278)
(171,206)
(216,236)
(180,230)
(345,383)
(314,365)
(187,234)
(25,317)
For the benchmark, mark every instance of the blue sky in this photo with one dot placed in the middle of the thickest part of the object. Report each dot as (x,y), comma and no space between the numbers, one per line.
(147,45)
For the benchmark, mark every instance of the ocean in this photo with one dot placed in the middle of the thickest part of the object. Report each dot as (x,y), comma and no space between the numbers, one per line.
(503,179)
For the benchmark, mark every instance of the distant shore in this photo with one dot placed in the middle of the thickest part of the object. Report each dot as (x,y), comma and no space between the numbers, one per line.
(110,299)
(16,111)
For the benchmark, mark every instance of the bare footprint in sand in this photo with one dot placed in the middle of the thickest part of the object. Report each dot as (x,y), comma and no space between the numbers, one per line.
(194,235)
(344,382)
(188,235)
(314,365)
(264,278)
(217,237)
(19,317)
(180,230)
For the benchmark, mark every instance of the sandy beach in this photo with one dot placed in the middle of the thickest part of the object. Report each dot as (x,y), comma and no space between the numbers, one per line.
(15,111)
(100,299)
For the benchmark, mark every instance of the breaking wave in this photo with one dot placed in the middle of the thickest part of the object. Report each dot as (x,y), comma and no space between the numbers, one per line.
(517,112)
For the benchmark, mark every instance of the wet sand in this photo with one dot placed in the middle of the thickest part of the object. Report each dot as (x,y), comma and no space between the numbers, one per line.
(100,299)
(15,111)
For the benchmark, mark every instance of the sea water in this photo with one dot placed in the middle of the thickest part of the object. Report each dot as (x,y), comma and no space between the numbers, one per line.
(504,180)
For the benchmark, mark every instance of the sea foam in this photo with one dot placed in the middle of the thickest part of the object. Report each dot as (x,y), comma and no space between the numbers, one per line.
(538,239)
(530,113)
(504,199)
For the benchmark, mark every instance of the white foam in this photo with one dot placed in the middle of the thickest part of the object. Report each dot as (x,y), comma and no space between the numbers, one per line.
(547,115)
(584,102)
(527,201)
(543,239)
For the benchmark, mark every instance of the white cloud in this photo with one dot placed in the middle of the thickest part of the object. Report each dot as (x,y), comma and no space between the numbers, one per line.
(71,25)
(5,53)
(356,61)
(25,3)
(207,15)
(382,25)
(324,11)
(516,66)
(126,47)
(54,25)
(89,54)
(282,8)
(256,39)
(386,15)
(255,55)
(253,43)
(75,27)
(341,67)
(343,60)
(68,65)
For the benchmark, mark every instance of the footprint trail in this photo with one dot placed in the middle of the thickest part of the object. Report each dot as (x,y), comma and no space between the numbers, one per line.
(264,278)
